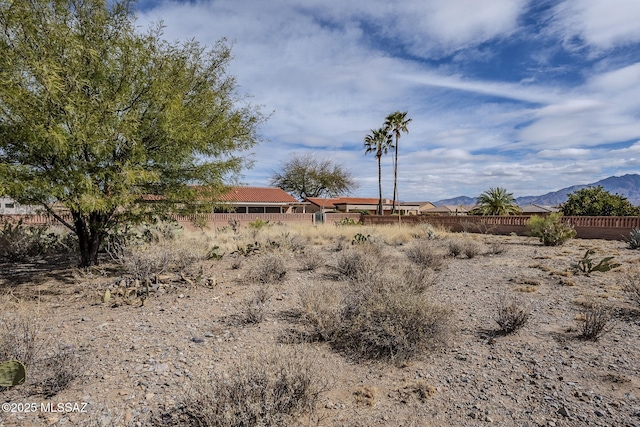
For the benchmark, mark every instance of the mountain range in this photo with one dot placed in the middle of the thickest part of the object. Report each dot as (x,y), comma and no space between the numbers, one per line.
(626,185)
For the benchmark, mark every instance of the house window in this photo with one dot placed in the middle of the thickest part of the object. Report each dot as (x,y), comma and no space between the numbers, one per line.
(256,210)
(9,205)
(272,209)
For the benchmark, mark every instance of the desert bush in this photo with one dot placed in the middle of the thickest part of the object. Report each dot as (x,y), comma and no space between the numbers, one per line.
(511,315)
(321,307)
(393,325)
(59,370)
(455,247)
(425,255)
(19,242)
(352,264)
(470,249)
(255,307)
(310,261)
(496,248)
(597,320)
(21,337)
(145,261)
(268,269)
(382,313)
(587,266)
(633,241)
(551,230)
(272,388)
(632,288)
(414,278)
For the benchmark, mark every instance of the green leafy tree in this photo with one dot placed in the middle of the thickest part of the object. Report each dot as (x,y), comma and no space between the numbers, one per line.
(96,116)
(304,175)
(596,201)
(396,123)
(496,201)
(379,142)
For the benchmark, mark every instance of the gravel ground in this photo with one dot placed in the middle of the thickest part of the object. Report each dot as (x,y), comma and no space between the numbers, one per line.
(135,362)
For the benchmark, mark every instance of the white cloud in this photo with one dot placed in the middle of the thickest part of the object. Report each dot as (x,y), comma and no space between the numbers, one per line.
(329,71)
(599,24)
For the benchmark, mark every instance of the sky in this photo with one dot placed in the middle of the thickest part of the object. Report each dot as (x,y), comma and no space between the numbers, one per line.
(532,96)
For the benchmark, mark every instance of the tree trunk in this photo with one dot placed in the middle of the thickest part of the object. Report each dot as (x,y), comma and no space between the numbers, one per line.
(90,232)
(380,211)
(395,179)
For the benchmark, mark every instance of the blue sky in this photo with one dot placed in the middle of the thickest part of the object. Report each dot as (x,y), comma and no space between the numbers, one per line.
(532,95)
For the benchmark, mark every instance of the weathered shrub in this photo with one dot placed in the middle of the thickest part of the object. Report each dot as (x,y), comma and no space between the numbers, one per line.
(632,288)
(20,243)
(425,255)
(268,269)
(382,313)
(551,230)
(597,320)
(272,388)
(255,307)
(395,325)
(511,315)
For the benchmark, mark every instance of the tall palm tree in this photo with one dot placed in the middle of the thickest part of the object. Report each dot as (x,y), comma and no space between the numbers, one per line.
(497,201)
(396,123)
(379,142)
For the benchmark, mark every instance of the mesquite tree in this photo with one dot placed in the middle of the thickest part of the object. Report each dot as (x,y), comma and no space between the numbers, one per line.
(96,116)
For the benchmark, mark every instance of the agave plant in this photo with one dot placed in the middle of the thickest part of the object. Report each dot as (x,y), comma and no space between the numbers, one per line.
(634,239)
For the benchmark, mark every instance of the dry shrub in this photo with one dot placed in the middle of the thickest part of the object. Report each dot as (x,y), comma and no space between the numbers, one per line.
(255,307)
(512,315)
(382,314)
(271,388)
(390,324)
(471,249)
(144,261)
(632,288)
(60,370)
(310,261)
(425,255)
(321,307)
(355,264)
(597,321)
(496,248)
(268,269)
(22,338)
(455,247)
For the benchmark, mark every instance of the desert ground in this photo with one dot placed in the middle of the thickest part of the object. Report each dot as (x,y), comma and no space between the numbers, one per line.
(325,326)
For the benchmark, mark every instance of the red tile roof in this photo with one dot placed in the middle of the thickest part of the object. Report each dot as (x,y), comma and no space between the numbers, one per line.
(257,194)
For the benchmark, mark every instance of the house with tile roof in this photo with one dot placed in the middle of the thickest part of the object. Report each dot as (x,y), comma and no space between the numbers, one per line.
(253,200)
(358,204)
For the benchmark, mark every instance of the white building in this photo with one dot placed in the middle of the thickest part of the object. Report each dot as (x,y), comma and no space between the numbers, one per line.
(9,206)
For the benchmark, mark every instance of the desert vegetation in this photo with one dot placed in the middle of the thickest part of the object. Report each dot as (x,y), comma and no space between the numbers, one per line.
(346,324)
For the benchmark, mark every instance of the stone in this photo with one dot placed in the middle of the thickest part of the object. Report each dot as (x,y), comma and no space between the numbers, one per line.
(564,411)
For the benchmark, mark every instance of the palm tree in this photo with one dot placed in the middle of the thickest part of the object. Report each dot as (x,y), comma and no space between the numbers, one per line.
(379,142)
(396,123)
(496,201)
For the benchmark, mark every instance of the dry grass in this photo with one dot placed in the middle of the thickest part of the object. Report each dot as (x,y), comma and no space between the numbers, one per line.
(22,338)
(271,387)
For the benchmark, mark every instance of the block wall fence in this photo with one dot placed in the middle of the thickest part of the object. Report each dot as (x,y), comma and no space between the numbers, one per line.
(587,227)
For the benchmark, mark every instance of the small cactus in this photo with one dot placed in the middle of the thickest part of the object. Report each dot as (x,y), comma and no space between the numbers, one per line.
(12,373)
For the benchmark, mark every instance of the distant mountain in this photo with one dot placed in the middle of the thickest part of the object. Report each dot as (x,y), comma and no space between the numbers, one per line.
(627,186)
(456,201)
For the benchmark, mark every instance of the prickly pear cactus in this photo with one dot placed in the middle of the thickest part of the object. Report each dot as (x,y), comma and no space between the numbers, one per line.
(12,373)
